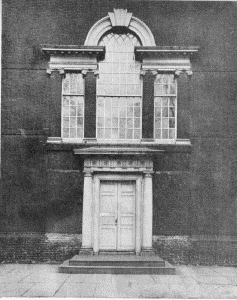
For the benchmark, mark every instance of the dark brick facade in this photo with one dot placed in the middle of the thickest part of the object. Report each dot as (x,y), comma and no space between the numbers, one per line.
(194,187)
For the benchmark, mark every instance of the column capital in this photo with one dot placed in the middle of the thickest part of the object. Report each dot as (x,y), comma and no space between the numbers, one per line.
(148,174)
(88,173)
(86,71)
(183,71)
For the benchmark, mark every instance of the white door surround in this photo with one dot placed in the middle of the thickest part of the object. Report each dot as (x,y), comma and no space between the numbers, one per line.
(118,179)
(118,169)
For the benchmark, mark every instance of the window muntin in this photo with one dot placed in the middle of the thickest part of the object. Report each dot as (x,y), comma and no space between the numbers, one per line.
(165,107)
(73,106)
(119,91)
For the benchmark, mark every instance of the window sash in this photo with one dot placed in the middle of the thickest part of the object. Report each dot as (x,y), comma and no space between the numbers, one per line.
(165,107)
(72,125)
(119,118)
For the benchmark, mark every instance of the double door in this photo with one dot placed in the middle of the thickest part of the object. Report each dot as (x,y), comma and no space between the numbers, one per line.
(117,215)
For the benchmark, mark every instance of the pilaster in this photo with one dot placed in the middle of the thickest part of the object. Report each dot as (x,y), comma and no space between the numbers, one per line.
(86,248)
(147,216)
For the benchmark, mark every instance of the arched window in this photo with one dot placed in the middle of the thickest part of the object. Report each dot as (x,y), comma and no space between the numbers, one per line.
(119,91)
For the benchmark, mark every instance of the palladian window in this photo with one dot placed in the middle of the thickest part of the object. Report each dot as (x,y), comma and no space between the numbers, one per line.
(119,90)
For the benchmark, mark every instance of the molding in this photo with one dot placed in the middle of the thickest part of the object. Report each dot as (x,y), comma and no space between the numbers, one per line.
(118,165)
(73,57)
(73,50)
(115,151)
(166,59)
(141,51)
(120,17)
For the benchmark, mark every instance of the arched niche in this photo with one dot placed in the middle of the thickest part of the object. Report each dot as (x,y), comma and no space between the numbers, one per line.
(120,17)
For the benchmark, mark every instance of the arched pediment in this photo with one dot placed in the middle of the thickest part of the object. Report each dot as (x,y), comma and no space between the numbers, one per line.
(120,17)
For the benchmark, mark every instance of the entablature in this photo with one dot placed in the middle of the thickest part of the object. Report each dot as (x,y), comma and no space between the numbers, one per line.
(73,57)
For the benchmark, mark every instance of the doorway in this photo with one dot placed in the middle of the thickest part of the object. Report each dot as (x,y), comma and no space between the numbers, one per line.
(117,215)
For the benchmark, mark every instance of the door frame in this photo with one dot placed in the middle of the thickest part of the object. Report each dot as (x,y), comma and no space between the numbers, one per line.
(138,206)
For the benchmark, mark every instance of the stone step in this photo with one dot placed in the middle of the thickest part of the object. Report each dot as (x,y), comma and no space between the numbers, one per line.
(118,260)
(116,264)
(166,270)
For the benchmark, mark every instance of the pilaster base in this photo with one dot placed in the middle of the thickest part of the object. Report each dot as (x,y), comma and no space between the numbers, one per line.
(86,251)
(148,252)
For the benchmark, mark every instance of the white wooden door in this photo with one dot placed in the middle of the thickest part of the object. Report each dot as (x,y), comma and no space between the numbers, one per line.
(117,215)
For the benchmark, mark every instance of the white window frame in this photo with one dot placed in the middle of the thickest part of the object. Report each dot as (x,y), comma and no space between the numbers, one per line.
(70,139)
(167,141)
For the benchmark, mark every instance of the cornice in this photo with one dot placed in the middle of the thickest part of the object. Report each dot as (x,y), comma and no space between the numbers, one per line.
(74,50)
(169,51)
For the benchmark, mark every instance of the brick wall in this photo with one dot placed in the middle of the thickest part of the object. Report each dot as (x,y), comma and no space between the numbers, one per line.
(197,250)
(37,248)
(56,247)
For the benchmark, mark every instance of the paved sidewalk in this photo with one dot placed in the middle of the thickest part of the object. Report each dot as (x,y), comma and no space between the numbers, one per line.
(18,280)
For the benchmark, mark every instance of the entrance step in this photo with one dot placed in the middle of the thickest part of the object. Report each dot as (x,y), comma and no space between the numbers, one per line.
(117,264)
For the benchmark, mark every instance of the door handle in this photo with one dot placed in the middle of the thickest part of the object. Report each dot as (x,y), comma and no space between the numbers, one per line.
(116,221)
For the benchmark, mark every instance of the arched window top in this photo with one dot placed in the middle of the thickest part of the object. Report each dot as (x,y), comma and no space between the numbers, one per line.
(121,38)
(120,18)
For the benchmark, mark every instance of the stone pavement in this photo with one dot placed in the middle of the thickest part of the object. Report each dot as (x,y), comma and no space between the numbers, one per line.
(18,280)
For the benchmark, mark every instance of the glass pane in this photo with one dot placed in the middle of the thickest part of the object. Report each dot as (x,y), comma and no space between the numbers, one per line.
(66,111)
(122,123)
(165,123)
(137,111)
(165,112)
(100,133)
(165,89)
(100,122)
(172,101)
(137,134)
(107,122)
(158,89)
(79,132)
(72,132)
(165,101)
(65,122)
(172,89)
(157,123)
(172,134)
(73,111)
(158,101)
(130,123)
(157,134)
(73,122)
(158,112)
(80,111)
(172,123)
(122,112)
(73,83)
(114,133)
(80,122)
(66,101)
(172,112)
(115,122)
(137,122)
(129,134)
(65,88)
(122,133)
(165,133)
(108,133)
(130,112)
(65,132)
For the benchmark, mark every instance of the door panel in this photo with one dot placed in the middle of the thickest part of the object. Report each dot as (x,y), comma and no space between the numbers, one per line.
(108,213)
(117,215)
(126,215)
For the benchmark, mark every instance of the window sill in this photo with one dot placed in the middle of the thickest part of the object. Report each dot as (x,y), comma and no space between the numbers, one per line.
(59,144)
